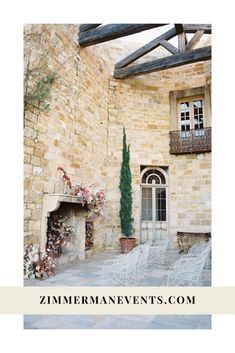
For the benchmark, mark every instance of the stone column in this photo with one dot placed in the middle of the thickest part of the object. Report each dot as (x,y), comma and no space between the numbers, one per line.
(81,236)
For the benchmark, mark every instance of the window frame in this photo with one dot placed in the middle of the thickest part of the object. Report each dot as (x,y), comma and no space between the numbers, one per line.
(183,95)
(197,132)
(190,100)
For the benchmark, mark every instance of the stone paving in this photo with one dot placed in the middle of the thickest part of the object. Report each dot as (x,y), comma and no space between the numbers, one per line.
(88,273)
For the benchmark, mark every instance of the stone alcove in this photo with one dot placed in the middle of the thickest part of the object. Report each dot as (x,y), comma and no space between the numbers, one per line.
(71,207)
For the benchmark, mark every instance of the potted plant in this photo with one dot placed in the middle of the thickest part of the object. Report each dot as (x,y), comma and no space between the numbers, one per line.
(127,242)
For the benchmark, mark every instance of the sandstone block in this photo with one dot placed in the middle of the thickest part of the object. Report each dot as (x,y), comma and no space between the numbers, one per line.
(29,132)
(37,170)
(35,161)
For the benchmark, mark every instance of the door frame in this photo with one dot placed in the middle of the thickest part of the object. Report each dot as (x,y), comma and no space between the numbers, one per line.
(154,187)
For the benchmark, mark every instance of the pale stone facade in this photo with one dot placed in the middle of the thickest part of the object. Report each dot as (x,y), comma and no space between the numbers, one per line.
(82,132)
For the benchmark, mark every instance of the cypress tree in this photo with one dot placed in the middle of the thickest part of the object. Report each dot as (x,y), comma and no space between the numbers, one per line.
(126,190)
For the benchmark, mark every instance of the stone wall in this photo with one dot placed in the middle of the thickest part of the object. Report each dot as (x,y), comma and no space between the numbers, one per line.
(142,105)
(82,132)
(73,133)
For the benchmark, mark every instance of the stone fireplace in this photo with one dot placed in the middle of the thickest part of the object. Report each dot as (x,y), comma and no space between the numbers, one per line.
(71,209)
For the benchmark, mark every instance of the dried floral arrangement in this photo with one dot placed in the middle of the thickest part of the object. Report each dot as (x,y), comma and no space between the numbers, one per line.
(31,258)
(59,237)
(93,200)
(89,235)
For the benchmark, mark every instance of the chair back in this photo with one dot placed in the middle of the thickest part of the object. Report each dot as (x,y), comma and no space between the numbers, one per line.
(143,255)
(132,259)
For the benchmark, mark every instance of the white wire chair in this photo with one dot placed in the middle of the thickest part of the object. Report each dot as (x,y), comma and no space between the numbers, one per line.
(158,251)
(126,269)
(187,271)
(198,248)
(121,271)
(142,262)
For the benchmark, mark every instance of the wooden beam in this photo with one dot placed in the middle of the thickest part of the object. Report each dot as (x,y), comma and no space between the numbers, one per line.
(168,62)
(193,28)
(194,40)
(181,42)
(168,46)
(112,31)
(179,28)
(146,48)
(86,26)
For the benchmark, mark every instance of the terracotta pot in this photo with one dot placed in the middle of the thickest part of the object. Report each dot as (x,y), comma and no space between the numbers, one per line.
(127,244)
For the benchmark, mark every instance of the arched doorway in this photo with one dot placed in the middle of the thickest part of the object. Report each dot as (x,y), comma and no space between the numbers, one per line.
(154,200)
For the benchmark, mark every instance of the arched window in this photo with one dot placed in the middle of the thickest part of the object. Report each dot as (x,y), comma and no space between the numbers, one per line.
(153,176)
(153,187)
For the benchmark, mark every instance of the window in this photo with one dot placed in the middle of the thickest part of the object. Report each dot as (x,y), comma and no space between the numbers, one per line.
(153,185)
(153,176)
(191,117)
(202,94)
(190,111)
(160,204)
(147,210)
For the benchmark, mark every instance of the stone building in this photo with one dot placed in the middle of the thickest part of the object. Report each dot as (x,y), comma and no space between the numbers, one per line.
(167,117)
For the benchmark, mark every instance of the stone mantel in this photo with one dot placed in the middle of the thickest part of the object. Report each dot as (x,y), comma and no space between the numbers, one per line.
(51,202)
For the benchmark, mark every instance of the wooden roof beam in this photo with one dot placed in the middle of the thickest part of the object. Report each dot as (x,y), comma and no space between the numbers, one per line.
(168,46)
(201,54)
(146,48)
(181,36)
(87,26)
(194,40)
(179,28)
(112,31)
(193,28)
(181,42)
